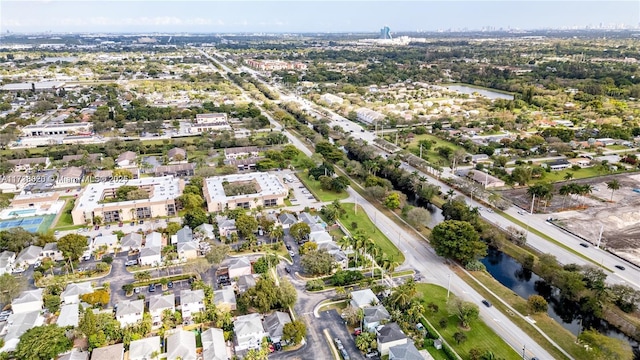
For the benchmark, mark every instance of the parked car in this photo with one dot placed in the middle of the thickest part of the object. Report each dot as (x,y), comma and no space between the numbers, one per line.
(292,253)
(140,222)
(170,284)
(96,227)
(136,290)
(288,247)
(371,354)
(152,287)
(133,223)
(18,270)
(357,331)
(287,270)
(131,263)
(120,224)
(338,343)
(343,351)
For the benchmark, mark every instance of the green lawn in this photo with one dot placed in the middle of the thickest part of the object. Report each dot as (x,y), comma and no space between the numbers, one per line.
(479,336)
(365,224)
(617,147)
(431,155)
(317,191)
(65,218)
(556,176)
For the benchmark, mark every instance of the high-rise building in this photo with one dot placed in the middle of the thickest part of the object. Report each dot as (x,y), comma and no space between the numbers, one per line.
(385,33)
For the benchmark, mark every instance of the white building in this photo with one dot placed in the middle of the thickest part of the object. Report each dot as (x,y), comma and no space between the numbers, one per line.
(69,316)
(57,129)
(225,299)
(213,345)
(191,302)
(153,240)
(331,99)
(150,256)
(73,291)
(249,331)
(363,298)
(211,118)
(130,242)
(28,256)
(267,191)
(157,306)
(129,312)
(390,335)
(239,267)
(106,242)
(369,116)
(145,349)
(181,345)
(27,301)
(7,259)
(18,324)
(52,252)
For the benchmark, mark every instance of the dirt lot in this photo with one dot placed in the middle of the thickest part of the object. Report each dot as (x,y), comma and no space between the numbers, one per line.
(585,216)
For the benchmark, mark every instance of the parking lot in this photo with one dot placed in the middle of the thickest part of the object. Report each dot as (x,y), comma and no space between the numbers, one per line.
(301,196)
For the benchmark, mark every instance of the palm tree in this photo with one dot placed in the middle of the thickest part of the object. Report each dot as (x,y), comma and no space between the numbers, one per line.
(564,191)
(613,185)
(276,233)
(450,194)
(568,176)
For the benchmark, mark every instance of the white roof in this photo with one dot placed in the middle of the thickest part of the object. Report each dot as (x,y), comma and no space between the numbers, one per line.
(132,240)
(28,297)
(363,298)
(143,348)
(246,325)
(224,296)
(128,307)
(69,315)
(77,289)
(268,185)
(153,239)
(108,240)
(213,344)
(18,324)
(191,296)
(164,188)
(181,344)
(161,302)
(29,254)
(150,251)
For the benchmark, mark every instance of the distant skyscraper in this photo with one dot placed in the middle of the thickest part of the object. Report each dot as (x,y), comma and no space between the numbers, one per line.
(385,33)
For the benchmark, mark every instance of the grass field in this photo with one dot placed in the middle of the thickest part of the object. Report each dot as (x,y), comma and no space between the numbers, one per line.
(317,191)
(370,231)
(432,155)
(479,336)
(65,218)
(556,176)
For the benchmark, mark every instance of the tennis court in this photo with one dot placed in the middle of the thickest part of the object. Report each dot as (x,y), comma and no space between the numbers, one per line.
(30,224)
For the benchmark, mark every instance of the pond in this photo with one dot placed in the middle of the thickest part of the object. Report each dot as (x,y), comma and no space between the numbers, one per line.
(436,214)
(484,92)
(510,273)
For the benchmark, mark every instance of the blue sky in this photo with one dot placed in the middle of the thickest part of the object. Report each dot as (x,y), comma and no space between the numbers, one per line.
(307,16)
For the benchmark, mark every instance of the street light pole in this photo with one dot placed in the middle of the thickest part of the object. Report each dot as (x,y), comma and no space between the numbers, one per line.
(449,286)
(524,349)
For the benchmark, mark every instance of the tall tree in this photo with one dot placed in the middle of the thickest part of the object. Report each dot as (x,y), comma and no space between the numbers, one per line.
(457,240)
(217,253)
(10,287)
(72,246)
(613,185)
(299,231)
(294,332)
(42,343)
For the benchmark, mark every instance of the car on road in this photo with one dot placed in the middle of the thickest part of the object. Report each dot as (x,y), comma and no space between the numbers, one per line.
(96,227)
(620,267)
(152,287)
(133,223)
(170,284)
(486,303)
(489,210)
(288,270)
(584,245)
(292,253)
(131,263)
(338,343)
(345,354)
(140,222)
(521,212)
(288,247)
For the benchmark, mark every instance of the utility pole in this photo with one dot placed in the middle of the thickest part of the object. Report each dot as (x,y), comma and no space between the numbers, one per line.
(420,151)
(524,349)
(449,286)
(600,236)
(533,201)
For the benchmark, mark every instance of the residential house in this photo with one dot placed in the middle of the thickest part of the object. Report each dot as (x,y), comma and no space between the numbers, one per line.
(205,231)
(145,349)
(320,237)
(75,354)
(374,316)
(187,250)
(177,154)
(158,304)
(30,163)
(225,298)
(388,336)
(69,316)
(248,164)
(238,267)
(559,164)
(106,243)
(7,259)
(363,298)
(479,158)
(181,345)
(73,291)
(132,241)
(182,236)
(241,152)
(338,254)
(28,256)
(153,240)
(406,351)
(213,345)
(274,324)
(28,301)
(111,352)
(17,324)
(191,302)
(582,162)
(249,331)
(150,256)
(287,219)
(126,159)
(484,179)
(226,226)
(52,252)
(129,312)
(245,282)
(71,176)
(178,170)
(310,219)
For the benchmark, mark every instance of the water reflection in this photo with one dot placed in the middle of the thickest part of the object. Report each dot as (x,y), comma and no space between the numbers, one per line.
(525,283)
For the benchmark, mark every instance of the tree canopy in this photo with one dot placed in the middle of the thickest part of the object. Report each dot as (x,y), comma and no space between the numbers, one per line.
(457,240)
(42,343)
(72,246)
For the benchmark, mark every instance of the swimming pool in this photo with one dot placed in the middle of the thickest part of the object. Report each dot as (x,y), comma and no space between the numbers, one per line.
(22,212)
